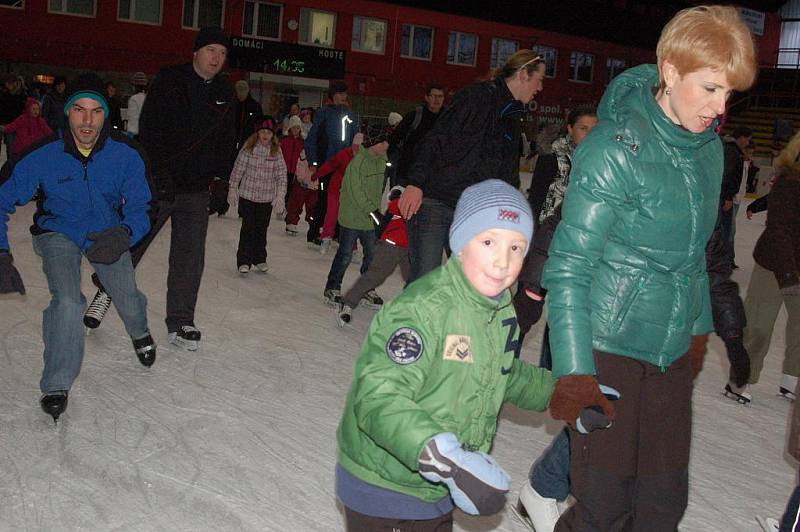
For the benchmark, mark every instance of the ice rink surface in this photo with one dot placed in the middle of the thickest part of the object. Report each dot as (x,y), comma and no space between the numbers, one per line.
(240,435)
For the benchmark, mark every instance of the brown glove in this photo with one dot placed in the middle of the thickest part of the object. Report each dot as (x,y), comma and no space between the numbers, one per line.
(573,393)
(697,352)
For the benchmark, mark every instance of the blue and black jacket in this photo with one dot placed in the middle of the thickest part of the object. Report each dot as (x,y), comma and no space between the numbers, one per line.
(333,130)
(77,195)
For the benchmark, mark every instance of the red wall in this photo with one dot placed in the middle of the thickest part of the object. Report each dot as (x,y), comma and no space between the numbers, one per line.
(33,35)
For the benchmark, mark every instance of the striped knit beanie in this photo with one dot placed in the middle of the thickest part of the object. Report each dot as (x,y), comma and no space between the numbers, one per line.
(490,204)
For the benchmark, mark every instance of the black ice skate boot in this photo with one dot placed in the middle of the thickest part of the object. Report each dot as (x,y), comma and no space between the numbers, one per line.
(54,403)
(97,309)
(145,350)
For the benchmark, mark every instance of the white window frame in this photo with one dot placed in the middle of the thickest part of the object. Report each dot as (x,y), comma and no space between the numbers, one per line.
(21,5)
(134,21)
(255,21)
(196,13)
(493,63)
(385,34)
(624,67)
(65,12)
(538,49)
(458,45)
(333,36)
(573,70)
(411,41)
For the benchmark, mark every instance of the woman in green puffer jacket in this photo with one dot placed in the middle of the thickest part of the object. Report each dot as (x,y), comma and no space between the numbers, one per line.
(626,279)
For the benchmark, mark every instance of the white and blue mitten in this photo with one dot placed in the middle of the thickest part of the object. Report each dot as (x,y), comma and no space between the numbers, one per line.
(477,484)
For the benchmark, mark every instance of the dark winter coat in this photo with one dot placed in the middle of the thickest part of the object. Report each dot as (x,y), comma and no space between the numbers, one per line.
(476,138)
(627,272)
(404,139)
(778,247)
(53,109)
(188,130)
(544,173)
(333,130)
(247,113)
(726,304)
(733,169)
(78,194)
(11,105)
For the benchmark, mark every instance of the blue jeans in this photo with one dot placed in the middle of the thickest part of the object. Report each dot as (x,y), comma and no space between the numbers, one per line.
(790,516)
(549,474)
(63,332)
(428,237)
(347,239)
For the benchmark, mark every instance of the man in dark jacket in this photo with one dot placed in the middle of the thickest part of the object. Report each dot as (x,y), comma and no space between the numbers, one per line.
(93,201)
(248,111)
(412,128)
(12,104)
(732,182)
(53,104)
(188,130)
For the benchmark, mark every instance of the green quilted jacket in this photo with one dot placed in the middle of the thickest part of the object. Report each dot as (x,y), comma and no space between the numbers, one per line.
(439,358)
(627,269)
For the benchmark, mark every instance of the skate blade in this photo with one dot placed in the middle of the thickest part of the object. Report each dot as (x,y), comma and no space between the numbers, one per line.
(184,344)
(767,525)
(744,401)
(789,396)
(522,516)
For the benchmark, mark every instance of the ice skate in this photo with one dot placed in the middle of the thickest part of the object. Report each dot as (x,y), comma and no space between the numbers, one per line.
(739,394)
(187,337)
(768,524)
(357,257)
(54,403)
(244,269)
(538,513)
(262,267)
(291,229)
(324,246)
(145,349)
(786,389)
(372,300)
(96,310)
(332,297)
(344,315)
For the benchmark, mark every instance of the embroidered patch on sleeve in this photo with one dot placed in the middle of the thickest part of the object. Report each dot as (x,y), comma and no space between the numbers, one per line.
(457,348)
(405,346)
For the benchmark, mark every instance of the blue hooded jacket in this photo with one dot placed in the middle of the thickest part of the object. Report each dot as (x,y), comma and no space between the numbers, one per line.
(333,130)
(79,195)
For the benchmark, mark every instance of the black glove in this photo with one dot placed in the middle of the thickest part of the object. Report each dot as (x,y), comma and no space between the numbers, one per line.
(109,245)
(739,359)
(10,281)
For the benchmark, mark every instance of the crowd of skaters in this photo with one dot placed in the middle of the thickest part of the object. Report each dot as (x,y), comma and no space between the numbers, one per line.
(454,180)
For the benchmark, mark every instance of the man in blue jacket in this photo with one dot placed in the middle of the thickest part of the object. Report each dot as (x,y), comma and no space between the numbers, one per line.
(93,201)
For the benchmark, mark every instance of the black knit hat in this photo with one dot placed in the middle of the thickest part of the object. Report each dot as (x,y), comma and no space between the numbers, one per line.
(87,85)
(211,35)
(374,135)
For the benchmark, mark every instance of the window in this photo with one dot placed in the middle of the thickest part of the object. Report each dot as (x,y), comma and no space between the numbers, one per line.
(262,19)
(550,56)
(17,4)
(317,27)
(580,67)
(369,35)
(72,7)
(417,42)
(502,49)
(461,48)
(146,11)
(202,13)
(614,67)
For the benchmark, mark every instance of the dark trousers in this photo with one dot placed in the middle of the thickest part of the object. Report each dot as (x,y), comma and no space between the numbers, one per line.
(727,224)
(253,234)
(387,258)
(356,522)
(634,477)
(218,197)
(187,253)
(318,218)
(347,239)
(428,237)
(791,517)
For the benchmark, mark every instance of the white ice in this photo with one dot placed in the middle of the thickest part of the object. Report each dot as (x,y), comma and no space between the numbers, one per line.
(240,435)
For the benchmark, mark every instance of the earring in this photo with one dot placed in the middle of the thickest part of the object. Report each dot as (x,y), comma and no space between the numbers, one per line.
(668,91)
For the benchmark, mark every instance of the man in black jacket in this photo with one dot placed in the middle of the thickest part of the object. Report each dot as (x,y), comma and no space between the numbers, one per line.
(188,129)
(732,182)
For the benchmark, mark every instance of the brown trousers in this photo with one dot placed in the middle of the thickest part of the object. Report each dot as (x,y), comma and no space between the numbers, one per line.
(357,522)
(634,476)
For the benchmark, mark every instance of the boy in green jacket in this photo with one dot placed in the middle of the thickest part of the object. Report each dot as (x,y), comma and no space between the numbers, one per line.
(436,366)
(361,193)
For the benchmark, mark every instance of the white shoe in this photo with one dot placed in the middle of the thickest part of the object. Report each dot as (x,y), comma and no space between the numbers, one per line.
(542,512)
(262,267)
(788,384)
(344,315)
(291,229)
(740,395)
(244,268)
(324,246)
(768,524)
(187,337)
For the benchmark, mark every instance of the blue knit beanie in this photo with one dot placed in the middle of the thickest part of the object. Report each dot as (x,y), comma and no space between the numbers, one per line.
(490,204)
